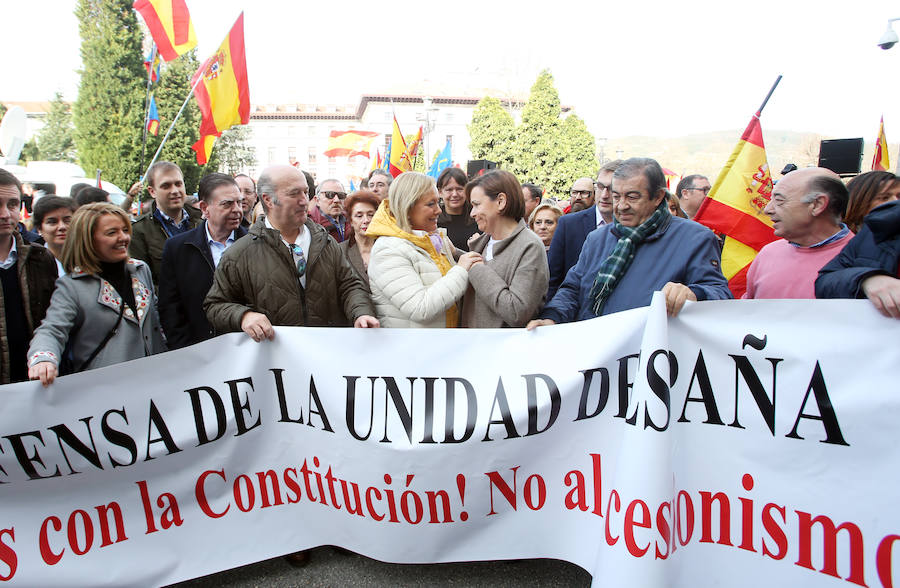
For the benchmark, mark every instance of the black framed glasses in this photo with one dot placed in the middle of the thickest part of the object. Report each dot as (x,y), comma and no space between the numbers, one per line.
(582,193)
(704,190)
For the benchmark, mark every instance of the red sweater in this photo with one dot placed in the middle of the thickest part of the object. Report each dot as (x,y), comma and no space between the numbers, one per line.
(782,270)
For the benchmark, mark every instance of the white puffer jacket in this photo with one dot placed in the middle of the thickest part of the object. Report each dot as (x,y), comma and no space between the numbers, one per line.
(407,287)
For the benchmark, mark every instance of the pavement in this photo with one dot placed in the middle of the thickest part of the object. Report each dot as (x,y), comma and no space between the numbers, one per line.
(328,567)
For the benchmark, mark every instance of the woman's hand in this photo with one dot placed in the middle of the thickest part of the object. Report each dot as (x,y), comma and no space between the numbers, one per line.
(44,371)
(469,259)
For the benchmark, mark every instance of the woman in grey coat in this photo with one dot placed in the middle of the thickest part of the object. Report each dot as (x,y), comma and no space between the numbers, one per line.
(508,289)
(104,308)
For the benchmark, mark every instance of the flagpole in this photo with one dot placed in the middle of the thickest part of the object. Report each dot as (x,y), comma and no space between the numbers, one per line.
(172,126)
(769,95)
(147,107)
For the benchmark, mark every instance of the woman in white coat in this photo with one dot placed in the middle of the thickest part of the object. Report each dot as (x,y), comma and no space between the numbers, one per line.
(414,279)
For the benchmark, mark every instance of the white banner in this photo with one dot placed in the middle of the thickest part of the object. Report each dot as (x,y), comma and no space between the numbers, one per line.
(743,443)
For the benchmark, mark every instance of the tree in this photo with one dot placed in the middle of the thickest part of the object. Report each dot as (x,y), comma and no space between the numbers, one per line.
(2,110)
(537,152)
(55,140)
(492,133)
(170,93)
(30,152)
(108,113)
(577,152)
(234,151)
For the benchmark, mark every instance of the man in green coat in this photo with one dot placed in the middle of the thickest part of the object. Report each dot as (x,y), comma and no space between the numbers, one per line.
(167,217)
(287,271)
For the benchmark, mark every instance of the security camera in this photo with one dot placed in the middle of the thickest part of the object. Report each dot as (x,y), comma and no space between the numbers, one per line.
(888,39)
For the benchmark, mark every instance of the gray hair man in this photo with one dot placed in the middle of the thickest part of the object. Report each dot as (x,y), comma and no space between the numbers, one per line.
(644,250)
(806,209)
(255,288)
(329,209)
(691,191)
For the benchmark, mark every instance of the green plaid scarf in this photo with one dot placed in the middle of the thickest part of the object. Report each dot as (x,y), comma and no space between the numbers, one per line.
(614,266)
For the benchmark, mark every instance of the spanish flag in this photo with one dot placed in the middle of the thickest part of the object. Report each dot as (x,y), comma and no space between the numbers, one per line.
(222,90)
(349,143)
(170,26)
(735,206)
(881,161)
(399,160)
(413,149)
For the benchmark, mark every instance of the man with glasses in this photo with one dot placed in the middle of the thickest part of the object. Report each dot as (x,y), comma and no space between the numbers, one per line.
(248,191)
(379,181)
(573,228)
(329,209)
(645,249)
(581,195)
(691,192)
(190,259)
(806,209)
(287,272)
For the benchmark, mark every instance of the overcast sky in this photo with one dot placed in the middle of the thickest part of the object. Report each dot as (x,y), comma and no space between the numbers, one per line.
(628,68)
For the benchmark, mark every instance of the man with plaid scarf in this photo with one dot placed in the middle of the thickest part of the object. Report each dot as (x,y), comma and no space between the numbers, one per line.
(646,249)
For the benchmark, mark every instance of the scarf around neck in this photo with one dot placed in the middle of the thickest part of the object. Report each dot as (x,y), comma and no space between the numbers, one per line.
(615,266)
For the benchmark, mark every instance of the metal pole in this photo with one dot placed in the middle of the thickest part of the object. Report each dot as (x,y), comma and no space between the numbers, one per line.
(769,95)
(177,116)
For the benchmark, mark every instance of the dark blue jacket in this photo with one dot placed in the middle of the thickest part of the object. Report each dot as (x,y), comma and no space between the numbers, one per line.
(566,245)
(681,251)
(185,278)
(874,250)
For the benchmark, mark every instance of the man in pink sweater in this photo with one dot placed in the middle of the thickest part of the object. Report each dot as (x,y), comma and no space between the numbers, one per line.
(806,210)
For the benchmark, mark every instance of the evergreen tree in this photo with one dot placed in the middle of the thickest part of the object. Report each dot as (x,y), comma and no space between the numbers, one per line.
(492,133)
(170,92)
(537,153)
(2,110)
(108,113)
(30,152)
(55,140)
(234,151)
(577,154)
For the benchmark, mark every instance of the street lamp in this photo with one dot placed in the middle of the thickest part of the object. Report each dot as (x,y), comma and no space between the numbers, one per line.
(889,38)
(428,126)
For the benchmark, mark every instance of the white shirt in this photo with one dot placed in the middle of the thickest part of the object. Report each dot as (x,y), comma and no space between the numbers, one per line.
(12,257)
(303,240)
(488,253)
(600,220)
(215,247)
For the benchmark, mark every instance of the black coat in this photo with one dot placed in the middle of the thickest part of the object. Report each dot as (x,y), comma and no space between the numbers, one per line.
(875,250)
(186,276)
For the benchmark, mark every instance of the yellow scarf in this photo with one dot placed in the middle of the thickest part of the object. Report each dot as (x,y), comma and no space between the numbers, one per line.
(385,225)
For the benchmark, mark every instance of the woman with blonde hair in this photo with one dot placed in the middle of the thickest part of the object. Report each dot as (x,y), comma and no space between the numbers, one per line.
(543,222)
(414,279)
(103,310)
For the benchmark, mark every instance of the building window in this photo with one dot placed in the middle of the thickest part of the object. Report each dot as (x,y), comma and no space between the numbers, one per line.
(387,116)
(292,154)
(311,131)
(449,117)
(271,155)
(450,140)
(387,142)
(292,130)
(312,156)
(332,160)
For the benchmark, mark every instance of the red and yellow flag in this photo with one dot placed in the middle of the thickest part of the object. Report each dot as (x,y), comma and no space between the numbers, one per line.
(399,161)
(223,93)
(170,26)
(413,149)
(881,161)
(735,206)
(349,143)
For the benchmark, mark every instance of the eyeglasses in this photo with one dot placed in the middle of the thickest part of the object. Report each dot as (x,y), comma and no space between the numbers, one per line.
(704,190)
(331,195)
(582,193)
(301,259)
(601,187)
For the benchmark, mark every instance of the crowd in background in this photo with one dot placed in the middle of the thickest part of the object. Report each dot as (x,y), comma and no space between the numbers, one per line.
(88,286)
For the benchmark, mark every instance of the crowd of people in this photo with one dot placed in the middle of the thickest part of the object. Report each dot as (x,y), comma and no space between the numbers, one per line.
(89,287)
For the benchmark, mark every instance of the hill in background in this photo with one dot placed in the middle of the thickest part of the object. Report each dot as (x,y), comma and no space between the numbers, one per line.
(707,153)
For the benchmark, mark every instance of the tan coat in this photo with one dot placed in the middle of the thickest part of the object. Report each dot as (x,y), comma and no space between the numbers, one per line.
(508,290)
